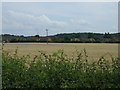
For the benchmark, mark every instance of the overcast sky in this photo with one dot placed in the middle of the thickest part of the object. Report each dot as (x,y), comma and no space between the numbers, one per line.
(31,18)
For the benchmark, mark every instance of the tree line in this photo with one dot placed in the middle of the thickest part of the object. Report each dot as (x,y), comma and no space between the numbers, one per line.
(66,38)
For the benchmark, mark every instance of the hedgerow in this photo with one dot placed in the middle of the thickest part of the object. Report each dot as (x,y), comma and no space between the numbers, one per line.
(57,70)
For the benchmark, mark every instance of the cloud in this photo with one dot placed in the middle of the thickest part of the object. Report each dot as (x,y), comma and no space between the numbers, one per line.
(19,22)
(30,18)
(80,22)
(47,20)
(27,18)
(23,23)
(18,14)
(16,22)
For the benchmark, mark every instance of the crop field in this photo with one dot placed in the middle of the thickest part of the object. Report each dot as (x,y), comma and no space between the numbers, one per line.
(94,50)
(53,65)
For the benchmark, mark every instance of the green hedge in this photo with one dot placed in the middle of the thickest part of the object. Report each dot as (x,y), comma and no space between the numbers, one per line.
(59,71)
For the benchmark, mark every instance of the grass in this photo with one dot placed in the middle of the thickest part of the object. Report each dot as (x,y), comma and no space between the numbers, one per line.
(94,50)
(58,70)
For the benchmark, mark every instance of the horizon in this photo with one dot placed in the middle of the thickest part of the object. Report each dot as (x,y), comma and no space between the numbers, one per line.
(55,34)
(25,18)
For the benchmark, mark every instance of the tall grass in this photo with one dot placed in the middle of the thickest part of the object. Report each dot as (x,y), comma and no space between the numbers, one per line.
(58,70)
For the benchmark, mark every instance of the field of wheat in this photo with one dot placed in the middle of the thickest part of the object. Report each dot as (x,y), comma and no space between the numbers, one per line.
(94,50)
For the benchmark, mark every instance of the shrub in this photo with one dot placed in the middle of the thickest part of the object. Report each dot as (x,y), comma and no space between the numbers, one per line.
(59,71)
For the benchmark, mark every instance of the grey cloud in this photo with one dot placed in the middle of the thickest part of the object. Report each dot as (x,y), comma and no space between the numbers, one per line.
(43,19)
(23,22)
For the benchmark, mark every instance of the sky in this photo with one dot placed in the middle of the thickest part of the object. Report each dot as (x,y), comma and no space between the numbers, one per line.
(60,0)
(31,18)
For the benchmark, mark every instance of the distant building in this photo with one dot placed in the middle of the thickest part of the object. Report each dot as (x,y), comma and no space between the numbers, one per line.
(43,38)
(91,39)
(74,39)
(49,39)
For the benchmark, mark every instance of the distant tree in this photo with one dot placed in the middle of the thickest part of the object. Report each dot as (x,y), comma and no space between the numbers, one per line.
(67,38)
(36,35)
(107,35)
(90,35)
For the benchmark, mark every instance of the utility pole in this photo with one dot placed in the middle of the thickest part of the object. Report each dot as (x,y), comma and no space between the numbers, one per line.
(47,35)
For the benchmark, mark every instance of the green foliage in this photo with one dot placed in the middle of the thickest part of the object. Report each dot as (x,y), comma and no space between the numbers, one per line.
(87,37)
(59,71)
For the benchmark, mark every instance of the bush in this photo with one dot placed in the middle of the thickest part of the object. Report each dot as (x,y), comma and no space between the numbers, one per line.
(59,71)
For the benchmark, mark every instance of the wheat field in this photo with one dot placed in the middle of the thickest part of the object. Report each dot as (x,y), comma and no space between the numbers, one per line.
(94,50)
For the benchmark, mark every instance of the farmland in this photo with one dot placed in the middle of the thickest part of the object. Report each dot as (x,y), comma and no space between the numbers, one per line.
(94,50)
(52,68)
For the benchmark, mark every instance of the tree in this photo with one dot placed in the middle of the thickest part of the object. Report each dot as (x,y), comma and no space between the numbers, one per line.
(107,35)
(37,36)
(90,35)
